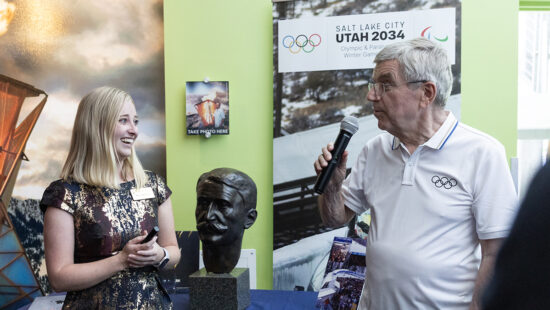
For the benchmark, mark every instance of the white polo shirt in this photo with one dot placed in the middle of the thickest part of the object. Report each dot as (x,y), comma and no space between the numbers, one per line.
(428,211)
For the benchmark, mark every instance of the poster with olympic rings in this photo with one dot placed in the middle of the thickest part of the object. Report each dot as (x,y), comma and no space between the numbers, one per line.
(351,42)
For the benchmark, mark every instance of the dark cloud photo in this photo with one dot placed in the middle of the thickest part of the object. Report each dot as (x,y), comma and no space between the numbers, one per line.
(67,48)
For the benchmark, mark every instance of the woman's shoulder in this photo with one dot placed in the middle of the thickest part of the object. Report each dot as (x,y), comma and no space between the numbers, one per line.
(62,187)
(55,194)
(67,184)
(158,182)
(153,177)
(58,185)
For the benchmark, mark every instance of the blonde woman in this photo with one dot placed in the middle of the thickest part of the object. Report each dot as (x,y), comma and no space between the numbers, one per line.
(99,212)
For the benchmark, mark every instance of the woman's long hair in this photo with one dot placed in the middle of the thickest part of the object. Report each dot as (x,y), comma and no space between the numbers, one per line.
(92,157)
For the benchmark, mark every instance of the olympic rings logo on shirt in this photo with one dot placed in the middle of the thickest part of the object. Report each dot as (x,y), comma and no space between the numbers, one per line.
(301,43)
(443,182)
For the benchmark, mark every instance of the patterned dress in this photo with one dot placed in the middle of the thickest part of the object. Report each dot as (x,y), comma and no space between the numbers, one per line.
(105,219)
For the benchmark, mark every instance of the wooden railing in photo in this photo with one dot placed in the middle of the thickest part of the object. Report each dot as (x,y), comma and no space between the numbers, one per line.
(295,212)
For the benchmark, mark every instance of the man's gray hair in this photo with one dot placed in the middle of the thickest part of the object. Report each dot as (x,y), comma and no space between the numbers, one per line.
(421,59)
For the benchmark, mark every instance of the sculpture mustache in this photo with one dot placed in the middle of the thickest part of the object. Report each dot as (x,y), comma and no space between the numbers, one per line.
(212,227)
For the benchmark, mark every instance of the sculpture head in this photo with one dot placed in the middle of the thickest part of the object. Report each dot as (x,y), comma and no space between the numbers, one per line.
(226,206)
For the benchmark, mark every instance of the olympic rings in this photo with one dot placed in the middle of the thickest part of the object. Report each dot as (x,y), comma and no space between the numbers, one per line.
(444,182)
(301,43)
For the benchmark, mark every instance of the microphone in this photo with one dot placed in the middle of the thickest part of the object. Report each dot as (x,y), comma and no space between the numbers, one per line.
(348,127)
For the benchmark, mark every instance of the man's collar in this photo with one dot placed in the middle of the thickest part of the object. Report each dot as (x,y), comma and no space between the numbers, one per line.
(438,140)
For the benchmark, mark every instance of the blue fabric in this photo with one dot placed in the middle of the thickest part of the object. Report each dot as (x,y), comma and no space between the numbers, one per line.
(265,300)
(259,299)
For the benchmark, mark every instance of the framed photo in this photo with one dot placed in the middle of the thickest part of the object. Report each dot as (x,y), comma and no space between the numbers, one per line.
(207,108)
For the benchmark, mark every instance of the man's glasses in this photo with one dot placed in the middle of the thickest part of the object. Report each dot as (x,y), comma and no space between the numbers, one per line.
(380,88)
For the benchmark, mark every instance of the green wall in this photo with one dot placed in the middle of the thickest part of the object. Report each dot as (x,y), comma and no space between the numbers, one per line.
(232,41)
(224,41)
(490,68)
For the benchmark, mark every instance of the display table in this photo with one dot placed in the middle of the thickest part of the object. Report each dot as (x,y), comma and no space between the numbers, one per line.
(259,299)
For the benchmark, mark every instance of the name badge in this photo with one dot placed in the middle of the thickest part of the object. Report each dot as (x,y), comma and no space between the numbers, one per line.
(142,193)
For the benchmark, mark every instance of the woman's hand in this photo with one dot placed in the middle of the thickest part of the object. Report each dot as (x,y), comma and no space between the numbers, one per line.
(137,255)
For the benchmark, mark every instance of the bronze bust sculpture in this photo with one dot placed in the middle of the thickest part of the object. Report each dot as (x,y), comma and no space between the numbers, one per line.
(226,206)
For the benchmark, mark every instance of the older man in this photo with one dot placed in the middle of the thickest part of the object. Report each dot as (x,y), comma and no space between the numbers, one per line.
(437,189)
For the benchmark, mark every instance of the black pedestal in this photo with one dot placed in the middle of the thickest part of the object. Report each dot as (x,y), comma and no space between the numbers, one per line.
(225,291)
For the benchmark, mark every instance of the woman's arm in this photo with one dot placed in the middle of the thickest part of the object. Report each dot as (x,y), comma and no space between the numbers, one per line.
(166,239)
(63,273)
(167,234)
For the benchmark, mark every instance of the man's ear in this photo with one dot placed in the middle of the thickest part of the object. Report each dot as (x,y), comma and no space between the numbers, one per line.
(250,218)
(429,90)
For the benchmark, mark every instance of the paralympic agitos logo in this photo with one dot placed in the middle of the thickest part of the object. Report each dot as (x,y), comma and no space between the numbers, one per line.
(428,35)
(301,43)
